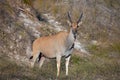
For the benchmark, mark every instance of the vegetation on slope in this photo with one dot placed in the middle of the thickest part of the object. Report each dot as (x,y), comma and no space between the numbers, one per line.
(104,64)
(101,22)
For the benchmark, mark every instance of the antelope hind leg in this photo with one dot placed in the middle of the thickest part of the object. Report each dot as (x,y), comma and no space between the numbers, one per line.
(35,56)
(41,61)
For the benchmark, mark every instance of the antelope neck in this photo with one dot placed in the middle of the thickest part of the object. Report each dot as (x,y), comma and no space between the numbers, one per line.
(71,35)
(70,40)
(74,33)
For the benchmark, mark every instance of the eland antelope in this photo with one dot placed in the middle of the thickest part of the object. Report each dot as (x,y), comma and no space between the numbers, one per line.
(56,46)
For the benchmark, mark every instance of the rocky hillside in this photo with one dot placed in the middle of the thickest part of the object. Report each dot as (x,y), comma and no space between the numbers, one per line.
(22,21)
(101,18)
(20,25)
(18,29)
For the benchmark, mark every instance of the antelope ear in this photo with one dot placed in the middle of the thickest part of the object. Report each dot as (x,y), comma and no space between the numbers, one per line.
(69,23)
(79,23)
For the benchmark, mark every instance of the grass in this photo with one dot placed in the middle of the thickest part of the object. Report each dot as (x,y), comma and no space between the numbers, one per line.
(113,3)
(27,2)
(100,66)
(46,31)
(104,64)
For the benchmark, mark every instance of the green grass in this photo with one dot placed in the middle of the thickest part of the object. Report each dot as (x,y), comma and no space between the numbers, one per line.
(27,2)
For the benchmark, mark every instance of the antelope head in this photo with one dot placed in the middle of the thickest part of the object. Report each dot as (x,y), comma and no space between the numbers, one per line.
(74,25)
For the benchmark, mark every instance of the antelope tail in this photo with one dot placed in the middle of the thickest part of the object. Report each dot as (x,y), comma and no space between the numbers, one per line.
(39,57)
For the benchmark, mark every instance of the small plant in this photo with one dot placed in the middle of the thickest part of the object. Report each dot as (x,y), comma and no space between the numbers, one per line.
(28,2)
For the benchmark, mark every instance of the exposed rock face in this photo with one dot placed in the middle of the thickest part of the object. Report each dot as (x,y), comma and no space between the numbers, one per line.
(18,30)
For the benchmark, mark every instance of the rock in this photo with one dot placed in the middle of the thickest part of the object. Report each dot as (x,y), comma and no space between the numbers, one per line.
(18,30)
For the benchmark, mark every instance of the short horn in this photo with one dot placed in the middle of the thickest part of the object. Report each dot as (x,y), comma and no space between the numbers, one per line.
(69,17)
(80,18)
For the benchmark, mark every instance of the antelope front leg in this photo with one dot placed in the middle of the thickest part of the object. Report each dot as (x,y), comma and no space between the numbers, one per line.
(58,59)
(66,64)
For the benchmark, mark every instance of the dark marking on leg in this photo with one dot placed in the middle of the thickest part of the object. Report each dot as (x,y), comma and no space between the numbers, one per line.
(67,56)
